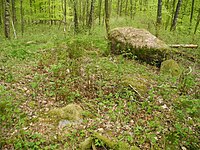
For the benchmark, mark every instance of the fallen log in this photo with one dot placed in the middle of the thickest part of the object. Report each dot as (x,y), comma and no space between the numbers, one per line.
(183,46)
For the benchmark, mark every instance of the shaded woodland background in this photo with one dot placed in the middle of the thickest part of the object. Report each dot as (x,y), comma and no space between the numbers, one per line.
(81,15)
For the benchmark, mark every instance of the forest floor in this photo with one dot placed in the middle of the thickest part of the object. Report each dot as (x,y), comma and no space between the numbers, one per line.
(41,72)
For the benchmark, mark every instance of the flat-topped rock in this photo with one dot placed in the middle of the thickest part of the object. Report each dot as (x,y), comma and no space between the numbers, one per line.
(139,44)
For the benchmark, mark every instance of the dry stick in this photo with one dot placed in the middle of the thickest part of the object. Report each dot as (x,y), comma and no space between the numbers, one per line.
(183,46)
(135,91)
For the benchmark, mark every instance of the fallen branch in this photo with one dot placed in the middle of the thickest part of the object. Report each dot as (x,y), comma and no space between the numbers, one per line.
(138,94)
(183,46)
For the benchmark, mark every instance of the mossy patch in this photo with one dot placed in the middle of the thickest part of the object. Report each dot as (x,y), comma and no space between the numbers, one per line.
(170,67)
(139,83)
(72,112)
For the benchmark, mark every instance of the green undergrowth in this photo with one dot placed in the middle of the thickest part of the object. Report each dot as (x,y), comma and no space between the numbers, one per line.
(122,99)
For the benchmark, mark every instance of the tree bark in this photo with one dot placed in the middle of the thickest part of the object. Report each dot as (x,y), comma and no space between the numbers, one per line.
(99,11)
(197,24)
(192,11)
(80,10)
(131,9)
(173,10)
(126,8)
(159,12)
(65,15)
(83,13)
(75,17)
(110,7)
(90,21)
(107,17)
(13,12)
(121,7)
(1,12)
(167,5)
(87,11)
(22,17)
(173,26)
(118,7)
(7,19)
(31,10)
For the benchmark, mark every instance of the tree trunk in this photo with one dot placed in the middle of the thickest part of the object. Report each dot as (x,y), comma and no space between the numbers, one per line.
(173,26)
(87,11)
(22,17)
(13,12)
(121,7)
(75,18)
(192,10)
(135,7)
(49,11)
(31,10)
(90,21)
(65,15)
(107,17)
(131,9)
(99,11)
(173,10)
(83,15)
(1,12)
(197,24)
(110,7)
(7,19)
(126,8)
(167,5)
(118,7)
(80,10)
(159,12)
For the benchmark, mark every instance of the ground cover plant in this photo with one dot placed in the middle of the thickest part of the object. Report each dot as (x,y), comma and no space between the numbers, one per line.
(77,69)
(123,101)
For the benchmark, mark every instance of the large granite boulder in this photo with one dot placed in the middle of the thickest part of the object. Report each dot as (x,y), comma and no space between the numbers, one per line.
(139,44)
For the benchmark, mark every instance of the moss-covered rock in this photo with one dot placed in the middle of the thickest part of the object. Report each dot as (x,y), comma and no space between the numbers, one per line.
(107,142)
(170,67)
(139,43)
(72,112)
(89,143)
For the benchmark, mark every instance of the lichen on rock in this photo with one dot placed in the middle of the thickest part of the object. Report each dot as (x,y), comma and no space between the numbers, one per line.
(140,43)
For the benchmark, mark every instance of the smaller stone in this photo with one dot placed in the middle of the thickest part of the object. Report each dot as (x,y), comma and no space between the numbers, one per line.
(164,106)
(64,123)
(100,130)
(183,148)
